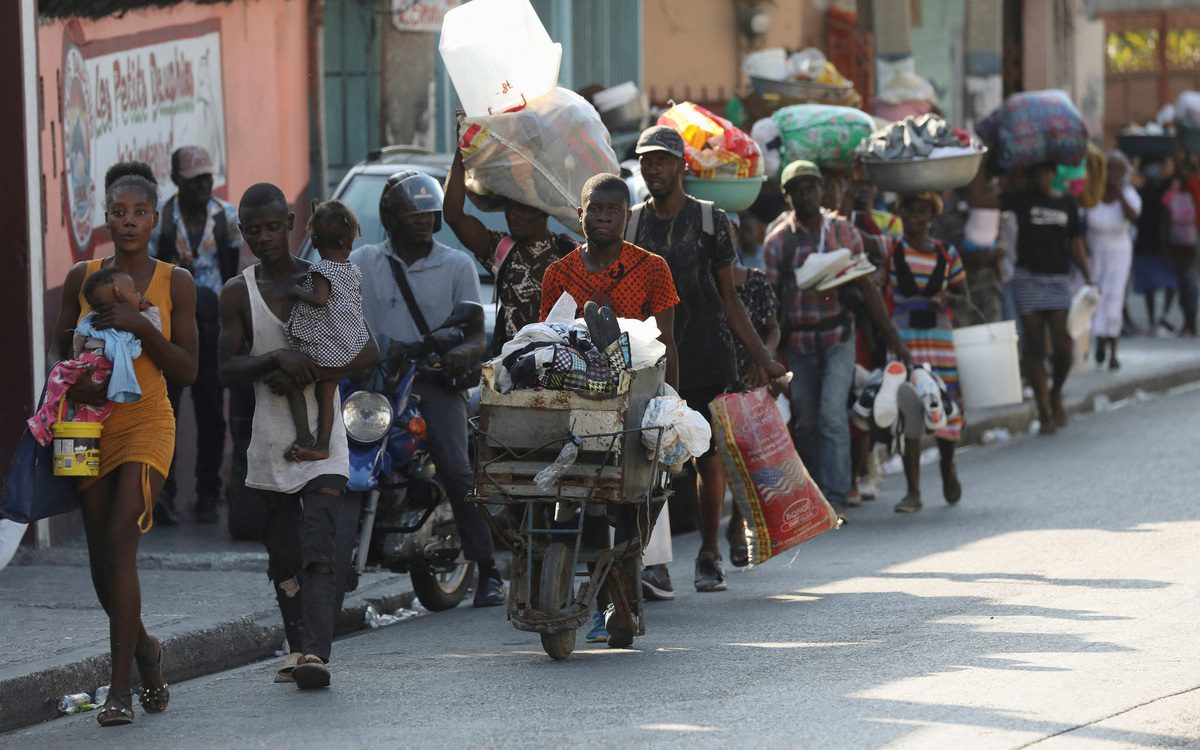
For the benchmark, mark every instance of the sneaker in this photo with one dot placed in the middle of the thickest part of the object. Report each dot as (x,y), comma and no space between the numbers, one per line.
(864,405)
(910,504)
(885,410)
(598,633)
(930,392)
(289,664)
(656,584)
(710,575)
(311,673)
(490,591)
(854,499)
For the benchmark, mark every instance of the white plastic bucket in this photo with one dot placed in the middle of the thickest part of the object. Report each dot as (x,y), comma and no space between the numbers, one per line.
(498,55)
(989,369)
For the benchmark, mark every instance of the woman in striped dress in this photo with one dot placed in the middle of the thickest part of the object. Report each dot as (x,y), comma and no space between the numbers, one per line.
(925,280)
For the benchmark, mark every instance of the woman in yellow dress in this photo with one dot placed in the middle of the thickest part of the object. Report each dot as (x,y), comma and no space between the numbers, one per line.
(138,438)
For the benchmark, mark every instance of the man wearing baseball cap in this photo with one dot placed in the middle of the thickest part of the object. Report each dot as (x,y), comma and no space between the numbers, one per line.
(200,233)
(818,328)
(696,240)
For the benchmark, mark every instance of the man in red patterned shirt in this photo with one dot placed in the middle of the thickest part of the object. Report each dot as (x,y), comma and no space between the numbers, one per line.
(819,329)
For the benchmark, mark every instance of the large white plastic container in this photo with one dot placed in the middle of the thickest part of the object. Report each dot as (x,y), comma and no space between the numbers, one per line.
(498,55)
(989,369)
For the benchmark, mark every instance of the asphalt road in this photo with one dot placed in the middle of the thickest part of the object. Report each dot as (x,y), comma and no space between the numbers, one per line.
(1056,606)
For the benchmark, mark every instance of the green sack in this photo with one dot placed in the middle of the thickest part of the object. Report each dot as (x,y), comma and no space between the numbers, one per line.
(822,133)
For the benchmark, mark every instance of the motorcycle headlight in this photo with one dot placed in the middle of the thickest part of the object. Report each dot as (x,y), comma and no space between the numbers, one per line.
(367,416)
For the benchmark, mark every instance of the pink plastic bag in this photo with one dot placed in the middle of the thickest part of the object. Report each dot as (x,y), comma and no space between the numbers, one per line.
(780,501)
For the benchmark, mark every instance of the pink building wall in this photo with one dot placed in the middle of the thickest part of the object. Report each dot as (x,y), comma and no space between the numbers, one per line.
(264,76)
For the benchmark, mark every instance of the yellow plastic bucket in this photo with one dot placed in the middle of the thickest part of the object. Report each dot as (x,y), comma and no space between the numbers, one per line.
(76,448)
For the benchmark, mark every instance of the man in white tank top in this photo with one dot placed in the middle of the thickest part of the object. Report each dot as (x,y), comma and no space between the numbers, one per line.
(307,506)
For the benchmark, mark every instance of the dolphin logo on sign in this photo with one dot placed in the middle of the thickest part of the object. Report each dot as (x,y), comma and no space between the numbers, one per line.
(77,132)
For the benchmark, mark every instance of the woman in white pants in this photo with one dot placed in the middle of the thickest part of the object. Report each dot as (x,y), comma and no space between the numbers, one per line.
(1109,226)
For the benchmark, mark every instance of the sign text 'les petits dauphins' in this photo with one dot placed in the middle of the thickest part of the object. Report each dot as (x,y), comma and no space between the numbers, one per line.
(136,102)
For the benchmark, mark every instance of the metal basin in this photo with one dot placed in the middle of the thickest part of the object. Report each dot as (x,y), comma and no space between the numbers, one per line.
(816,92)
(916,175)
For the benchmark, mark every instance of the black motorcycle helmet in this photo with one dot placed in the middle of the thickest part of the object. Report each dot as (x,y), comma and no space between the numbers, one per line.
(410,192)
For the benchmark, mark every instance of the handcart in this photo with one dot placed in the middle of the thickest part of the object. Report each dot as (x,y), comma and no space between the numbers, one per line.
(519,433)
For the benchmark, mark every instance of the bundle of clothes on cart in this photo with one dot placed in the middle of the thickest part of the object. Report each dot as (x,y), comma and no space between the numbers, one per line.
(586,354)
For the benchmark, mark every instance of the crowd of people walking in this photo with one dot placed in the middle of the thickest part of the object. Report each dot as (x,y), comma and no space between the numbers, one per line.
(723,289)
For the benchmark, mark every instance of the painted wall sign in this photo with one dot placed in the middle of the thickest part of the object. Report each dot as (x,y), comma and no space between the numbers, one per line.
(136,98)
(420,15)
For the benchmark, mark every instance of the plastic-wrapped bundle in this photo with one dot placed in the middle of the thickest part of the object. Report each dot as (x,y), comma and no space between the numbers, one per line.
(822,133)
(540,155)
(1032,128)
(714,147)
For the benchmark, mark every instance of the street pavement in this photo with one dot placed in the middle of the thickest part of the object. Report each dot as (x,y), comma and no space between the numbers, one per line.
(1056,606)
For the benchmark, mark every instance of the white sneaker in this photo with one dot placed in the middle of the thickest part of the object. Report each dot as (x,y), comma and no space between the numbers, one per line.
(930,392)
(886,411)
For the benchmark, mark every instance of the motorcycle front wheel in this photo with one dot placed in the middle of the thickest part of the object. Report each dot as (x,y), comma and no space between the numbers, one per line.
(440,590)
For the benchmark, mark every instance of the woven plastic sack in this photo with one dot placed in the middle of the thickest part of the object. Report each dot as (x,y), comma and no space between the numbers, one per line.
(539,156)
(822,133)
(713,147)
(778,498)
(1034,127)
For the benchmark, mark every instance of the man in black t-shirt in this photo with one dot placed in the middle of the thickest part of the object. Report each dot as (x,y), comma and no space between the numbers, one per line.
(696,240)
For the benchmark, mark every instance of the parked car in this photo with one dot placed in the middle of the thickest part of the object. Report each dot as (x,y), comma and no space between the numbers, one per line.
(363,184)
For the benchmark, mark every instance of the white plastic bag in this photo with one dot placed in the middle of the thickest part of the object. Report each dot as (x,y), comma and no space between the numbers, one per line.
(539,156)
(659,551)
(686,434)
(644,347)
(498,55)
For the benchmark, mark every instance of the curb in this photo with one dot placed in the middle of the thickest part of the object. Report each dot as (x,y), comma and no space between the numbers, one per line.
(1018,420)
(32,698)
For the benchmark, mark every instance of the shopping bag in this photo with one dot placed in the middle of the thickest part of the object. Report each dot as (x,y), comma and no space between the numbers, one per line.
(659,551)
(31,491)
(778,498)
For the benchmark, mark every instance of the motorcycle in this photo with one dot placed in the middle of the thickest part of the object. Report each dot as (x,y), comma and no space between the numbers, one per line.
(406,524)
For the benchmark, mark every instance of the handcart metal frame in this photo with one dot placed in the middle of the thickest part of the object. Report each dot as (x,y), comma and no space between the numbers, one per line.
(612,480)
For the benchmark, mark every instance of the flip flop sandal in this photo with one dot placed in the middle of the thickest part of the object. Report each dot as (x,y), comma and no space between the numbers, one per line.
(154,699)
(118,709)
(739,552)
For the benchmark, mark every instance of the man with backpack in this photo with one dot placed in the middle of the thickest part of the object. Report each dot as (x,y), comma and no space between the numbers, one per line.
(696,239)
(199,232)
(517,258)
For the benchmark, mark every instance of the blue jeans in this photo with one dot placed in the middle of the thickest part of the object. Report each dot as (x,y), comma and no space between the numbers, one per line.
(820,391)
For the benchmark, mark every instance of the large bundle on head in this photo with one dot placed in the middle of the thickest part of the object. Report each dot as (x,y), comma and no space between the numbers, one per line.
(820,133)
(1034,127)
(713,146)
(540,155)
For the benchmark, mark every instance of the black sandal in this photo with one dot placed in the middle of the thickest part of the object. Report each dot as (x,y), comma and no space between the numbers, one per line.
(154,699)
(739,552)
(118,709)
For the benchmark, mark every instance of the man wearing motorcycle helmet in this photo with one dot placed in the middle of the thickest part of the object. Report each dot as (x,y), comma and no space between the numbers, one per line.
(437,278)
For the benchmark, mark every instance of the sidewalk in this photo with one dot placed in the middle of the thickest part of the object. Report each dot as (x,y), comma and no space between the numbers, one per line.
(205,596)
(209,599)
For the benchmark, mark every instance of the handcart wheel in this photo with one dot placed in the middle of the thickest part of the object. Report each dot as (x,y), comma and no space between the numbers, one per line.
(553,595)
